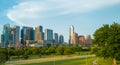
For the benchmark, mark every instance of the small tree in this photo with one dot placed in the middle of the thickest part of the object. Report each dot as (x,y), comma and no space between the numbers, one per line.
(94,50)
(3,55)
(76,48)
(68,51)
(2,58)
(60,50)
(51,49)
(43,50)
(34,51)
(25,56)
(19,52)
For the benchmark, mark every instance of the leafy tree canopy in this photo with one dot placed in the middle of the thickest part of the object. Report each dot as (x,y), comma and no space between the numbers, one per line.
(108,38)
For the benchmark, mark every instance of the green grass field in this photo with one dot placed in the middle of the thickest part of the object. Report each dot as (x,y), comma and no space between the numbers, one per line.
(78,61)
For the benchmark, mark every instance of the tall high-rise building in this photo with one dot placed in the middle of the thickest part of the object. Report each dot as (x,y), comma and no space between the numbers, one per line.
(71,30)
(39,34)
(61,39)
(27,33)
(73,36)
(6,35)
(56,38)
(2,40)
(88,40)
(48,36)
(15,34)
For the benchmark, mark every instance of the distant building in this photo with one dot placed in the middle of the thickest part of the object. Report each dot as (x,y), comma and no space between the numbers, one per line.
(10,36)
(56,38)
(29,42)
(73,36)
(5,37)
(39,34)
(15,35)
(36,45)
(88,40)
(74,39)
(61,39)
(81,40)
(2,40)
(0,45)
(71,32)
(48,36)
(27,33)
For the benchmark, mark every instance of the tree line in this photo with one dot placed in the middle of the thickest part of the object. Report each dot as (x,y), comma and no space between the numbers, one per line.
(24,53)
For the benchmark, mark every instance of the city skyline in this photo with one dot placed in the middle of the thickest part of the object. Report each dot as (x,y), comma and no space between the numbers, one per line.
(38,33)
(29,37)
(85,16)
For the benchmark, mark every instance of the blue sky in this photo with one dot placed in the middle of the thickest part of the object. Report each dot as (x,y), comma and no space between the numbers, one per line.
(85,15)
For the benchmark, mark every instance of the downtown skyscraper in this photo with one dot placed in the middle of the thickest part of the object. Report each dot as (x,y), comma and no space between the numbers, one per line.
(27,33)
(10,36)
(5,37)
(39,34)
(48,37)
(15,35)
(73,36)
(61,39)
(56,38)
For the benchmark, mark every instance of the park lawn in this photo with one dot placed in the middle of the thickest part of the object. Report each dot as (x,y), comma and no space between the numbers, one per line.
(77,61)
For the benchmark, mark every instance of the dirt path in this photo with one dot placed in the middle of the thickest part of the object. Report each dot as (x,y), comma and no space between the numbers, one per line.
(45,59)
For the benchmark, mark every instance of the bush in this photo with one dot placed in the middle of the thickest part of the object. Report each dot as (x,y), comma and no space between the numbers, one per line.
(43,50)
(3,55)
(51,50)
(25,56)
(40,55)
(86,48)
(60,50)
(68,51)
(3,58)
(76,48)
(94,50)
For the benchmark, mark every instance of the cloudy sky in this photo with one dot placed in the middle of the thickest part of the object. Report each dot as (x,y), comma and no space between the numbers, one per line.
(85,15)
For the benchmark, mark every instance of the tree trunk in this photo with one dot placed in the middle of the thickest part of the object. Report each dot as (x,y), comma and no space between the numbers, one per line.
(114,61)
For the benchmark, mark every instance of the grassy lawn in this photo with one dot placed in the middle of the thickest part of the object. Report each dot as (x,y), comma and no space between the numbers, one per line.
(75,61)
(78,61)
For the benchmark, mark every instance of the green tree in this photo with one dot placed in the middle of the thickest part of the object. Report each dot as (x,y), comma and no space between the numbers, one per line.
(108,38)
(34,51)
(51,50)
(76,48)
(11,51)
(2,58)
(19,52)
(60,50)
(68,51)
(43,50)
(94,50)
(25,55)
(3,55)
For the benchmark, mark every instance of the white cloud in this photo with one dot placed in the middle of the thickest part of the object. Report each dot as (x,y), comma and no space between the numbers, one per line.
(33,11)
